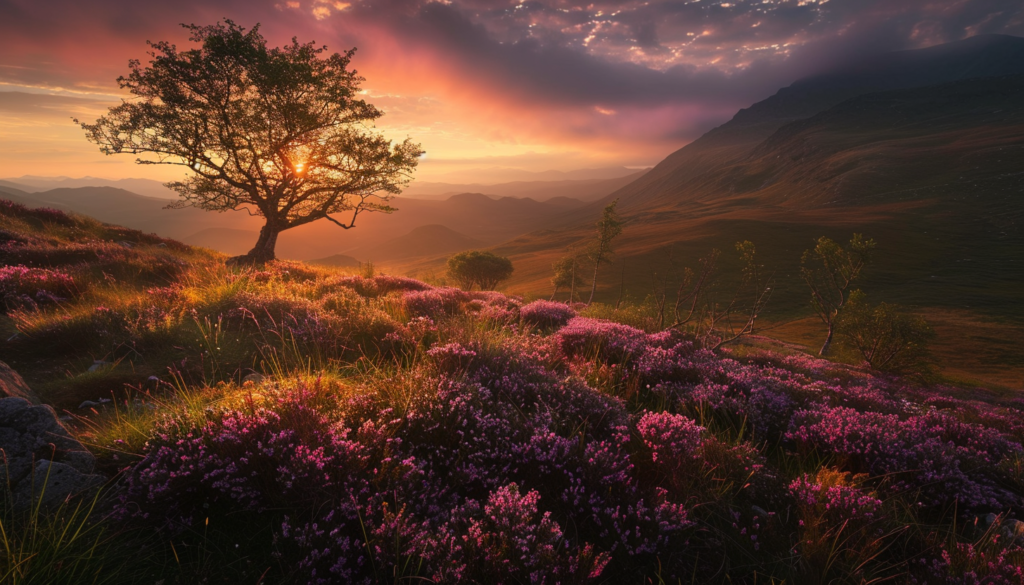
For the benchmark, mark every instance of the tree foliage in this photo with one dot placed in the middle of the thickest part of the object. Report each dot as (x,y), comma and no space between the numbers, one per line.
(829,269)
(888,338)
(479,268)
(568,271)
(608,228)
(278,132)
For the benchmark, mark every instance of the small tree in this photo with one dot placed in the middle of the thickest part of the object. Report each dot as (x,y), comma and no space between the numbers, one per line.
(608,228)
(884,335)
(829,270)
(479,268)
(568,271)
(276,132)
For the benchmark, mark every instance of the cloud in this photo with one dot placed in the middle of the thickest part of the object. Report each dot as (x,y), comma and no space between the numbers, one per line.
(627,78)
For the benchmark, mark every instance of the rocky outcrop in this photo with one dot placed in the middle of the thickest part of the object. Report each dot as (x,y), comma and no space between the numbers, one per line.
(42,459)
(11,384)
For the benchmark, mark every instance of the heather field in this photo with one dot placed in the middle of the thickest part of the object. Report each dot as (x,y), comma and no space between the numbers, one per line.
(300,424)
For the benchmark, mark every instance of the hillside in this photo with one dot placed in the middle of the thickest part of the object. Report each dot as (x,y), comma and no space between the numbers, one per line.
(478,216)
(428,240)
(296,424)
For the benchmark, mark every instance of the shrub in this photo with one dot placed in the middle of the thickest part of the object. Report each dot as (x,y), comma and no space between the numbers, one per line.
(40,283)
(479,268)
(546,314)
(434,303)
(510,541)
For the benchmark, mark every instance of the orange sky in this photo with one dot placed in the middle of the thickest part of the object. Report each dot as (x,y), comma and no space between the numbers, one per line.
(540,85)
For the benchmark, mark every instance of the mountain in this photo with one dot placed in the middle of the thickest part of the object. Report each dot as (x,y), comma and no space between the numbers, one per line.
(336,260)
(496,174)
(932,172)
(428,240)
(145,187)
(576,191)
(976,57)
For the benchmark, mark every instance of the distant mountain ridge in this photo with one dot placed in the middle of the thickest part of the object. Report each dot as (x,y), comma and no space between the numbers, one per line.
(584,190)
(981,56)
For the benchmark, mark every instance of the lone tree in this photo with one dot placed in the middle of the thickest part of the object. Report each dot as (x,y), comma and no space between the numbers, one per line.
(608,228)
(277,132)
(829,270)
(480,268)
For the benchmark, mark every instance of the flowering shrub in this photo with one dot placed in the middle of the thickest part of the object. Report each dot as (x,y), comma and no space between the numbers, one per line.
(613,343)
(237,461)
(546,314)
(946,460)
(41,283)
(510,541)
(434,303)
(380,284)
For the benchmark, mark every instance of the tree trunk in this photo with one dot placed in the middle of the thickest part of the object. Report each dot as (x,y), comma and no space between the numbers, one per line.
(263,251)
(593,288)
(828,341)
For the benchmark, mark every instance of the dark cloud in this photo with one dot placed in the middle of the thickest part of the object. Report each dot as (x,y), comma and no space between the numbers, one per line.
(646,53)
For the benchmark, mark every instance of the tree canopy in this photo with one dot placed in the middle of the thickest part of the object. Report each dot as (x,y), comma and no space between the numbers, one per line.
(479,268)
(829,270)
(278,132)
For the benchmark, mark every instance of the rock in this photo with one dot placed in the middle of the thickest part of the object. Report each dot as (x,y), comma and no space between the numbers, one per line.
(98,365)
(51,483)
(161,245)
(1013,530)
(254,377)
(126,244)
(35,443)
(11,384)
(88,404)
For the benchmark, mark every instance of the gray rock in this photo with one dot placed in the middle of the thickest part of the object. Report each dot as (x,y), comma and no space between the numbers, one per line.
(88,404)
(11,384)
(35,443)
(126,244)
(51,483)
(98,365)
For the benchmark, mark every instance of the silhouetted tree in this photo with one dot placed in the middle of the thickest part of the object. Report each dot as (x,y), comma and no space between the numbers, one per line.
(275,131)
(888,338)
(481,268)
(829,270)
(608,228)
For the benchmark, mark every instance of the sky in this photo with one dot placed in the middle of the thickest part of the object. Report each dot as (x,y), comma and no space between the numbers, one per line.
(483,85)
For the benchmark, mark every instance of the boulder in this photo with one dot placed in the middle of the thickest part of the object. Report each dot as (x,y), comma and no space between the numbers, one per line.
(51,483)
(41,455)
(11,384)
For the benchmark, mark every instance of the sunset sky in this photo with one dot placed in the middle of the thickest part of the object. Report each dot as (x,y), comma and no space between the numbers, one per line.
(537,85)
